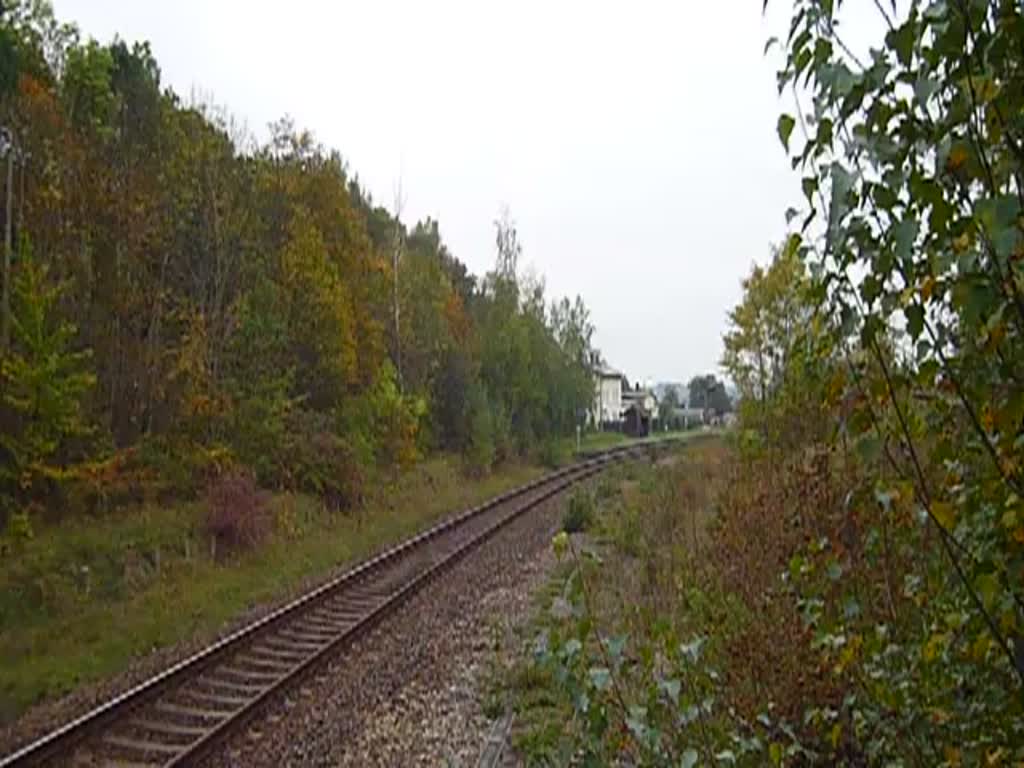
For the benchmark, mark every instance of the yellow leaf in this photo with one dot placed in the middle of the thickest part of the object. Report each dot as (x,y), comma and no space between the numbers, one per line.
(995,756)
(979,648)
(933,647)
(835,735)
(987,419)
(957,156)
(952,755)
(939,716)
(1008,620)
(945,514)
(559,543)
(927,286)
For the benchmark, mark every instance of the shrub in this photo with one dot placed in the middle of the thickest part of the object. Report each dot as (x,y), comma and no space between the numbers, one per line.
(579,511)
(607,488)
(237,512)
(322,463)
(552,453)
(480,452)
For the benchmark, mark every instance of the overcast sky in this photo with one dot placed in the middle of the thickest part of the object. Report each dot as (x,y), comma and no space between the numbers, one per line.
(634,143)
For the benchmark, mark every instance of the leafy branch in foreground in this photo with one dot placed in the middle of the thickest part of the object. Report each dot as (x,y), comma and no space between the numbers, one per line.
(912,166)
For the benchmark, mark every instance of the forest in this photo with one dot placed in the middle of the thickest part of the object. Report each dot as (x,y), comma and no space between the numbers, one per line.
(181,302)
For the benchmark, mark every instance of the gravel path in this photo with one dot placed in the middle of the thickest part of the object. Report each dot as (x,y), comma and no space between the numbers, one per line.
(410,692)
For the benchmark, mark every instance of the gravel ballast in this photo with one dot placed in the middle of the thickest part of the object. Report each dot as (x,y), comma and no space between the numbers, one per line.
(410,692)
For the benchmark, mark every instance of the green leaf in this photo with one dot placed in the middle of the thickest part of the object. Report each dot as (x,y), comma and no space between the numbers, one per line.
(689,758)
(915,319)
(870,288)
(842,182)
(989,588)
(945,514)
(637,721)
(785,128)
(810,186)
(670,688)
(600,677)
(616,646)
(869,447)
(692,649)
(793,243)
(901,40)
(904,235)
(561,608)
(851,609)
(925,88)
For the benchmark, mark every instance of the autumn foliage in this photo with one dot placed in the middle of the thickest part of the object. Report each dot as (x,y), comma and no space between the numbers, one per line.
(200,303)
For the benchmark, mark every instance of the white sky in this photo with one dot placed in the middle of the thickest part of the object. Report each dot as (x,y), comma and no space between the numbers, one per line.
(634,143)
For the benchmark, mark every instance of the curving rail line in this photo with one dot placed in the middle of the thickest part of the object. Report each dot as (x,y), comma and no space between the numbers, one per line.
(177,716)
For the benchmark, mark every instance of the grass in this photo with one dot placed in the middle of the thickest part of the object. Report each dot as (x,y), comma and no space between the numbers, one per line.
(600,441)
(649,528)
(82,599)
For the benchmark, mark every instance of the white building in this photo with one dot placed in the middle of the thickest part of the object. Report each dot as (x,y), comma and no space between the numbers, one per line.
(607,397)
(640,411)
(644,398)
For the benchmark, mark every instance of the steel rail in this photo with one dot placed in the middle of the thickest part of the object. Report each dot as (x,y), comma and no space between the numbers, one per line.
(63,740)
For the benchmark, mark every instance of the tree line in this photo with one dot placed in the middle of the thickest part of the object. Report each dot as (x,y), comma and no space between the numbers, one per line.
(179,300)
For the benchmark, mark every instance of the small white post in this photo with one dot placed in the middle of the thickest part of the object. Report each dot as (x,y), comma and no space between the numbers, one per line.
(577,438)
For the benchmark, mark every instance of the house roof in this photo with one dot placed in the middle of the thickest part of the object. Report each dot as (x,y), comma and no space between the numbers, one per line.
(607,372)
(638,394)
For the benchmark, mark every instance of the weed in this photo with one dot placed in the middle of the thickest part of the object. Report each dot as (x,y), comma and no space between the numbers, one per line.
(579,511)
(237,515)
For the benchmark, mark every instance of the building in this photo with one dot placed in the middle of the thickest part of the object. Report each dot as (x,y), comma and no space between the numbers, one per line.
(688,418)
(639,411)
(607,410)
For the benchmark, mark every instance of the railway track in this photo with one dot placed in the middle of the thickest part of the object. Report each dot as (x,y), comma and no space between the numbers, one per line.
(179,715)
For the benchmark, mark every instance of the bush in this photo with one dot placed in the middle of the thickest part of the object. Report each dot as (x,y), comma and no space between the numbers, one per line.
(579,512)
(480,452)
(607,488)
(237,513)
(553,453)
(322,463)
